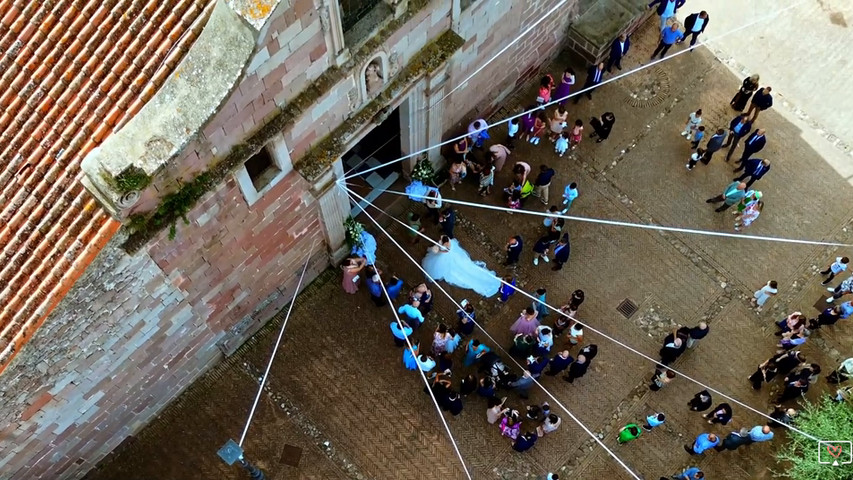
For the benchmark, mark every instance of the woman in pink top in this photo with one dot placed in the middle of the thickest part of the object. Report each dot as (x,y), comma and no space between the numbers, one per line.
(352,267)
(499,154)
(526,323)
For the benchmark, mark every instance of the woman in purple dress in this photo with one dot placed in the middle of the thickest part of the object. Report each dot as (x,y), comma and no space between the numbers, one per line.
(528,120)
(526,323)
(564,88)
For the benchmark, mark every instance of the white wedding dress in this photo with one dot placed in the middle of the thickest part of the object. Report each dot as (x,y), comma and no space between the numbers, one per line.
(456,268)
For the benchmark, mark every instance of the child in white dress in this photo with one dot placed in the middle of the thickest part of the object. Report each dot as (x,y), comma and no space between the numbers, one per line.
(761,296)
(693,122)
(562,143)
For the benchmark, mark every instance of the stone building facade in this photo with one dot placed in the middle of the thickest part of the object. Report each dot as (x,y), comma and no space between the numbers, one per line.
(225,184)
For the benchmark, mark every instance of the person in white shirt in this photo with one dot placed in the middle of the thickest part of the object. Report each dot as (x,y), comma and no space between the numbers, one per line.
(551,424)
(838,266)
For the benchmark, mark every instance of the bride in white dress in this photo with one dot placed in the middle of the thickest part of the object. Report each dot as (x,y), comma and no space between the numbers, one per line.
(452,264)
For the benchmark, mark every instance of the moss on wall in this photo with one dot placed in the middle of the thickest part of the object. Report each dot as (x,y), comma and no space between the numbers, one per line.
(175,206)
(130,179)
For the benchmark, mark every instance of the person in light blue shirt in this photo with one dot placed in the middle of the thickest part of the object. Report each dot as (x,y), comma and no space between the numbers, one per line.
(846,309)
(426,363)
(570,193)
(692,473)
(413,314)
(400,334)
(760,433)
(654,420)
(668,38)
(703,442)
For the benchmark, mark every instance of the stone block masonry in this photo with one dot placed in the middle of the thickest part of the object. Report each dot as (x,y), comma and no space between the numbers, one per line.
(136,330)
(506,21)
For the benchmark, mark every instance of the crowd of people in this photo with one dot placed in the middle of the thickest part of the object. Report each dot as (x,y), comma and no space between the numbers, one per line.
(543,347)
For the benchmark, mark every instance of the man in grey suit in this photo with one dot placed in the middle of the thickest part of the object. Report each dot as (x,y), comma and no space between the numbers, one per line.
(715,143)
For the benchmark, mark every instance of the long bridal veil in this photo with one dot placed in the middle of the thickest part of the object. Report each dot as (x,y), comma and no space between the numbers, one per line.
(456,268)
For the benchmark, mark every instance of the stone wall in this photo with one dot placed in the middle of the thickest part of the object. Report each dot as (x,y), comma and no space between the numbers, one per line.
(136,330)
(488,27)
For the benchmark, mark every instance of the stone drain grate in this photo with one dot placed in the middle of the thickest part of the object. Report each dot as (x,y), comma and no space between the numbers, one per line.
(627,308)
(291,455)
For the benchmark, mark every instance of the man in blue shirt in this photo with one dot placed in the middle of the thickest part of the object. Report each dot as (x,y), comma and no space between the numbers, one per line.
(666,9)
(692,473)
(413,314)
(668,37)
(703,442)
(400,334)
(846,309)
(760,433)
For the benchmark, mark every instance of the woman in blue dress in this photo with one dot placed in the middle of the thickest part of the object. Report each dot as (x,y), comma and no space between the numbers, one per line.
(474,351)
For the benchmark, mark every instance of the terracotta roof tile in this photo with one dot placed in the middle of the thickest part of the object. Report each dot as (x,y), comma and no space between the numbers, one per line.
(73,72)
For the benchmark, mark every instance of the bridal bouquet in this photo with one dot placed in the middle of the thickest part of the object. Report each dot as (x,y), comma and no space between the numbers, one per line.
(354,230)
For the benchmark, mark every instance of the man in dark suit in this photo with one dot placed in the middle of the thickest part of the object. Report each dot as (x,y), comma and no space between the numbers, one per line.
(694,25)
(618,49)
(739,127)
(754,168)
(447,220)
(593,77)
(513,250)
(753,144)
(714,144)
(561,252)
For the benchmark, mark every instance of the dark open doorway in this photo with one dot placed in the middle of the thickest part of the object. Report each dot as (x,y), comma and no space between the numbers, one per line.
(381,145)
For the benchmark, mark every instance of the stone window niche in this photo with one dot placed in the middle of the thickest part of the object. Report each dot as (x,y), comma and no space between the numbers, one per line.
(374,76)
(263,170)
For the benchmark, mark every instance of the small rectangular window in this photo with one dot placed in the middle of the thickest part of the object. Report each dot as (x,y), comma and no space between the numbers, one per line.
(354,10)
(261,169)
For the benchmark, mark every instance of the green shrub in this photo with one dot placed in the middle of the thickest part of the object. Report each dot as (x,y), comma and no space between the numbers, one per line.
(826,420)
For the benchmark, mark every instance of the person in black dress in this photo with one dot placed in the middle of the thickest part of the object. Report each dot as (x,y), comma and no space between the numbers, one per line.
(787,361)
(764,373)
(749,86)
(722,414)
(700,402)
(602,126)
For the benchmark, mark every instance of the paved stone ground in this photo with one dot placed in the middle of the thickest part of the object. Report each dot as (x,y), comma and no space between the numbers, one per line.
(340,403)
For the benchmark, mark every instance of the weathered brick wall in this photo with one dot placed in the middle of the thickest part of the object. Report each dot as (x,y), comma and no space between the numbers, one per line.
(290,55)
(136,330)
(488,27)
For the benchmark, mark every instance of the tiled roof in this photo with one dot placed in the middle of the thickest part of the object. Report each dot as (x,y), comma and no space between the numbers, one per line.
(71,73)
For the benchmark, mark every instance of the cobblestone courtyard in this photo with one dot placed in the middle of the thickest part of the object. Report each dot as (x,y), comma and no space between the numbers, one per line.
(341,405)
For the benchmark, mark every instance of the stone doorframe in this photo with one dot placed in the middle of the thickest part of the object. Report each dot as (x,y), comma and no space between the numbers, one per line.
(419,126)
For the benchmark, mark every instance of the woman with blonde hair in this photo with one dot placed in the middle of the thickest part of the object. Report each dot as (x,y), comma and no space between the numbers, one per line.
(749,86)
